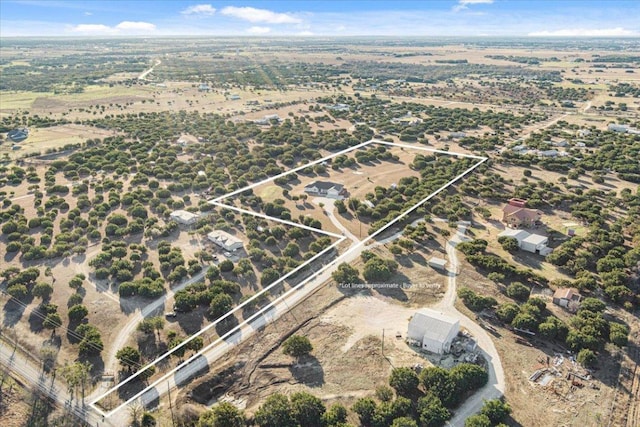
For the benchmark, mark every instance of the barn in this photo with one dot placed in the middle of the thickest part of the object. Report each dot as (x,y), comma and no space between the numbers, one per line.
(433,331)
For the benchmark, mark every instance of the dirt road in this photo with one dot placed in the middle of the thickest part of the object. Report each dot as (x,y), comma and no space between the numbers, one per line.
(495,386)
(154,308)
(144,75)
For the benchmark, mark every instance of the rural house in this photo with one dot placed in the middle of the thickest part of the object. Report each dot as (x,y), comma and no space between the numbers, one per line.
(18,135)
(326,189)
(225,240)
(184,217)
(565,296)
(432,330)
(515,215)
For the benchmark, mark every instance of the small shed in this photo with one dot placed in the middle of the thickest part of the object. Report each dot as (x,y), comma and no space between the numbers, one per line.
(438,263)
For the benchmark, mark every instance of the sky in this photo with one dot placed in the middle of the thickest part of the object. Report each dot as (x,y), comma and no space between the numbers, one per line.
(465,18)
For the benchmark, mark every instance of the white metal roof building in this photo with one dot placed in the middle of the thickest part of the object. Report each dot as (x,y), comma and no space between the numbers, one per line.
(530,242)
(439,263)
(184,217)
(225,240)
(432,330)
(519,235)
(535,243)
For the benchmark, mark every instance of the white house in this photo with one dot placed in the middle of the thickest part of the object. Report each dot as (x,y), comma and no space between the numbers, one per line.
(618,128)
(338,107)
(184,217)
(432,330)
(326,189)
(225,240)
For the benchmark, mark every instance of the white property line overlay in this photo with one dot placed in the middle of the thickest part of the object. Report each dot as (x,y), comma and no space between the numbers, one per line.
(206,328)
(238,328)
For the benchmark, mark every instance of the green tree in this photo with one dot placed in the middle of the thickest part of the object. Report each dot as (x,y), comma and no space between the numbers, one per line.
(404,422)
(129,357)
(592,304)
(365,407)
(220,305)
(52,321)
(376,270)
(384,393)
(439,382)
(509,244)
(297,346)
(335,415)
(269,275)
(404,380)
(222,415)
(77,313)
(76,281)
(618,334)
(507,312)
(431,411)
(496,410)
(42,290)
(345,274)
(468,377)
(587,358)
(91,342)
(307,409)
(479,420)
(18,291)
(276,411)
(518,291)
(226,266)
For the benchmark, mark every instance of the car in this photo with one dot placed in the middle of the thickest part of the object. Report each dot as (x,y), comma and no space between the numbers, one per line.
(170,314)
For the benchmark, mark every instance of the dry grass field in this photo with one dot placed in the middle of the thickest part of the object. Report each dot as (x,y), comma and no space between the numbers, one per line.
(42,140)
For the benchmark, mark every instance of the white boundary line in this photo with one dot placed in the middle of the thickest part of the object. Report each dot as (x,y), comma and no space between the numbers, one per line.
(357,246)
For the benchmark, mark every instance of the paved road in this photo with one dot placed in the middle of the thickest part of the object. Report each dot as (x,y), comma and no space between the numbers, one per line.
(23,367)
(111,363)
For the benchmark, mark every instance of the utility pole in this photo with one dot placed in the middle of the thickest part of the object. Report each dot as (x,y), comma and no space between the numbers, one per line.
(383,342)
(170,404)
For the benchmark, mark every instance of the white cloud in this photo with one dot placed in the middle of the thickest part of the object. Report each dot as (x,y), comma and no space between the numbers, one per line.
(252,14)
(259,30)
(305,33)
(136,26)
(123,28)
(464,4)
(199,9)
(585,32)
(93,29)
(88,14)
